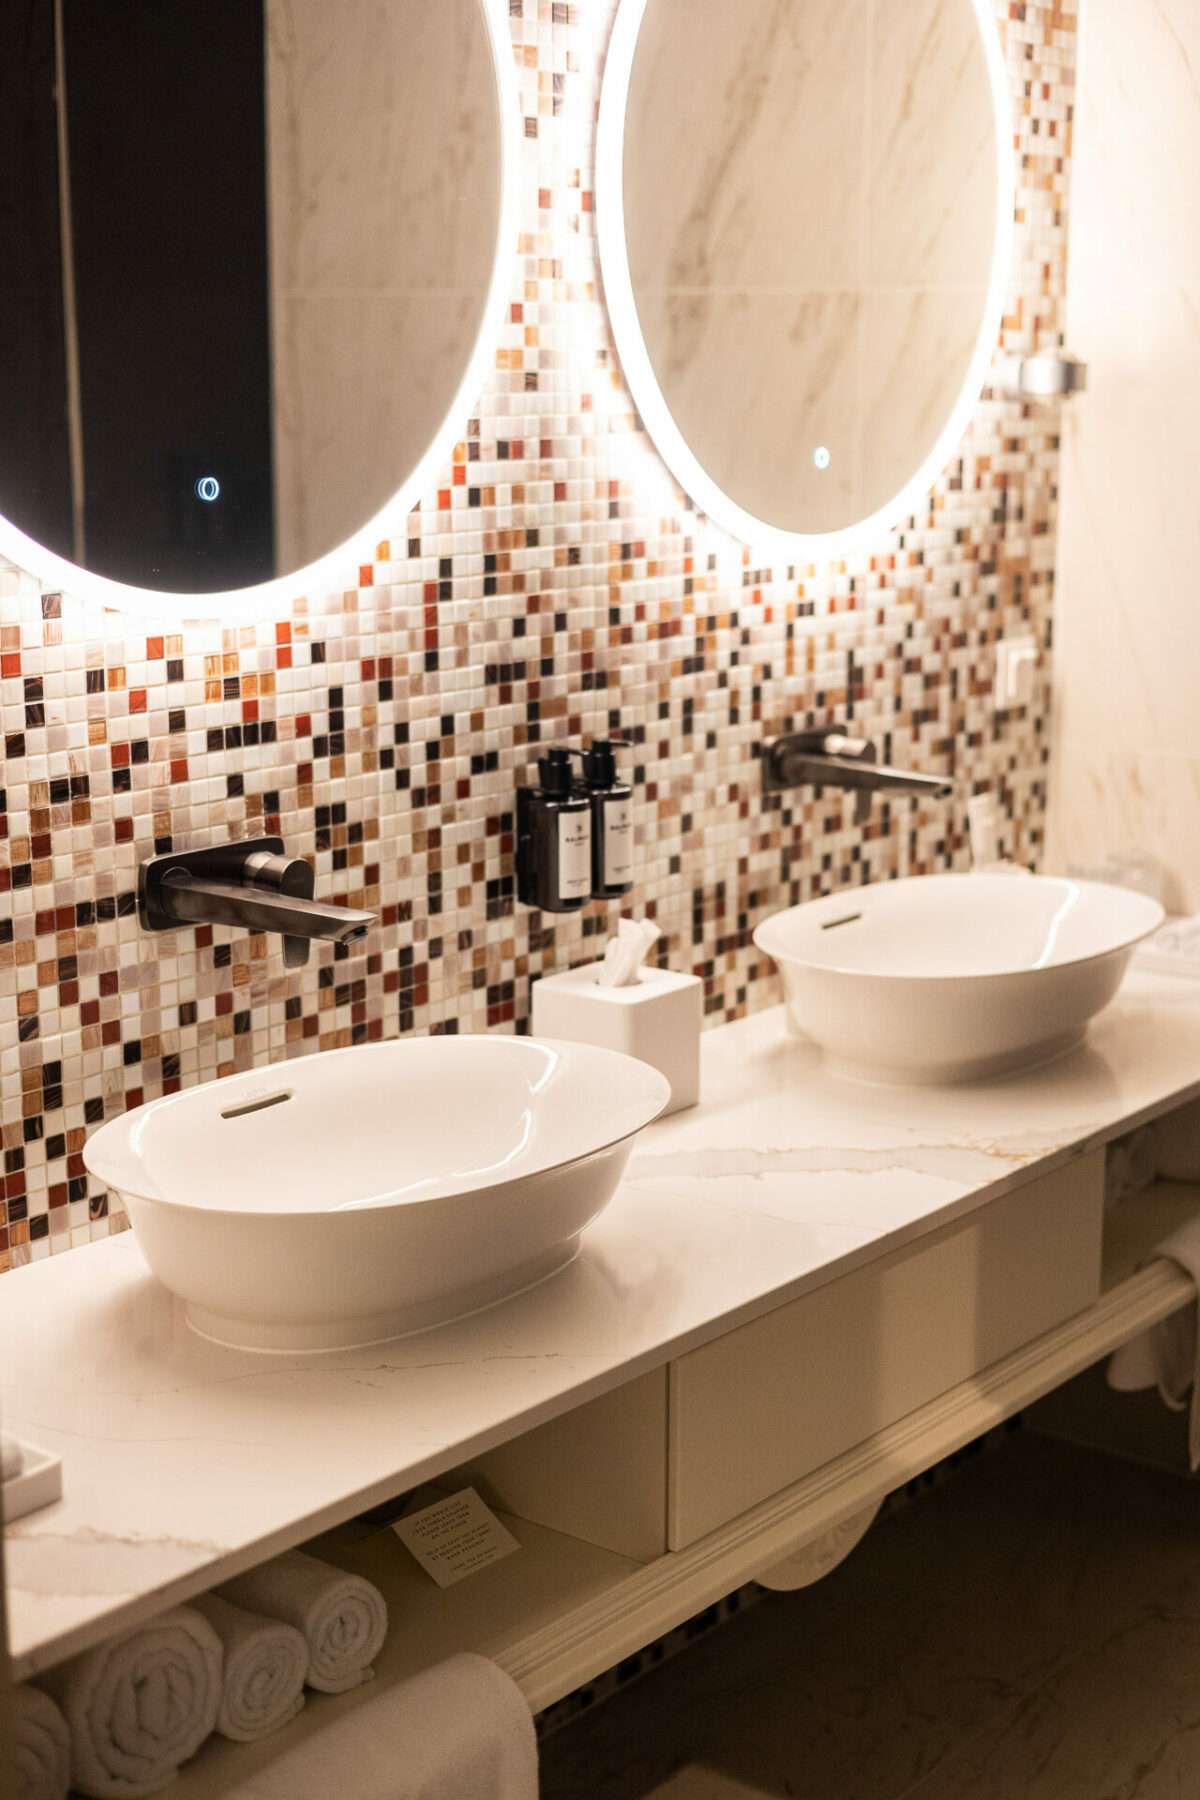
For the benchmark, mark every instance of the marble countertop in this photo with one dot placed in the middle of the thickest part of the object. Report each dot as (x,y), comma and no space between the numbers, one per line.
(185,1462)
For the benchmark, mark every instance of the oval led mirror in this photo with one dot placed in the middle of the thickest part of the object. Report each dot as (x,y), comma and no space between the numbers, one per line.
(251,261)
(804,211)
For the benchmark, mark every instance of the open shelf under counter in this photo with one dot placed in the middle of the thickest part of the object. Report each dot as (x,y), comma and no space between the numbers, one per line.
(1131,1424)
(1134,1226)
(492,1612)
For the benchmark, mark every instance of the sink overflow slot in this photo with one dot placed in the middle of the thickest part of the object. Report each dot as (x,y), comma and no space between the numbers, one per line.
(258,1105)
(846,919)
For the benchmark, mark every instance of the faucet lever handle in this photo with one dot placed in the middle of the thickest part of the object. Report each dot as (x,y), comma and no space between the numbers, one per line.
(289,875)
(837,743)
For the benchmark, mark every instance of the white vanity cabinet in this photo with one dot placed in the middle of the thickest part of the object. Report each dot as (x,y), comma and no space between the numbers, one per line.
(803,1295)
(755,1410)
(670,1457)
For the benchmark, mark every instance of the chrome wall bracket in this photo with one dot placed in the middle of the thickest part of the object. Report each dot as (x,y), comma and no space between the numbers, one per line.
(1048,375)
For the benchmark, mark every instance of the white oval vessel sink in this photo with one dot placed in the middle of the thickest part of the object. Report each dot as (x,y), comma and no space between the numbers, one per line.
(355,1195)
(953,977)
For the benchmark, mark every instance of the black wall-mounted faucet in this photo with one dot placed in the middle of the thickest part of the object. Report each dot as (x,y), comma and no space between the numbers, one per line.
(251,884)
(831,758)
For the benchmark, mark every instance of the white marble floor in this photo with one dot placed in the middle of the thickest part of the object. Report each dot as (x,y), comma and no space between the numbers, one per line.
(1028,1631)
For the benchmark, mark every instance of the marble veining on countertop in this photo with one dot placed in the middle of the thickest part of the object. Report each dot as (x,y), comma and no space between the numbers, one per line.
(185,1461)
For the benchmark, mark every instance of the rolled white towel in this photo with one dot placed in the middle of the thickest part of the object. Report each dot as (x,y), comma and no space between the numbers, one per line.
(266,1661)
(457,1731)
(43,1746)
(12,1457)
(140,1704)
(343,1618)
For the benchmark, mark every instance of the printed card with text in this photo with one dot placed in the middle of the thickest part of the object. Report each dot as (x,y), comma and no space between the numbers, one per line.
(455,1537)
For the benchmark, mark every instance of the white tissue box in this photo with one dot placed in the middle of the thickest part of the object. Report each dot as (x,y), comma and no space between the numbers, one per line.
(657,1019)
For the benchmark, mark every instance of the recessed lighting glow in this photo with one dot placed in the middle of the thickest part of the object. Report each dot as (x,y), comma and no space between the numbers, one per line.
(820,457)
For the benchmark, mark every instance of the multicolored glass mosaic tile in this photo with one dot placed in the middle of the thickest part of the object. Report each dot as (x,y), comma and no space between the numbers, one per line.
(554,584)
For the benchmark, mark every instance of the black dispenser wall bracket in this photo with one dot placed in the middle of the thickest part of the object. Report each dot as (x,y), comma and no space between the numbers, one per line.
(554,838)
(575,830)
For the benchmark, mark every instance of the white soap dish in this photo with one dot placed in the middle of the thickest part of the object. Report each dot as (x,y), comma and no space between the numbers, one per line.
(39,1484)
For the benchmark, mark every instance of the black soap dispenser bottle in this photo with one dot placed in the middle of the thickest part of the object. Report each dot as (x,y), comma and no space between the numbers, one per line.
(554,838)
(611,802)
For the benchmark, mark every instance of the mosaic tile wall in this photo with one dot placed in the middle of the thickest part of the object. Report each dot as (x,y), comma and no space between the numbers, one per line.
(555,584)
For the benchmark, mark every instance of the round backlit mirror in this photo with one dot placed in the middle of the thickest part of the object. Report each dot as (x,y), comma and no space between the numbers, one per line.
(251,263)
(804,211)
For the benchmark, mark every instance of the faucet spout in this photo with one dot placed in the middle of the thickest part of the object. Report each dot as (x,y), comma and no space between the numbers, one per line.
(831,759)
(875,777)
(193,901)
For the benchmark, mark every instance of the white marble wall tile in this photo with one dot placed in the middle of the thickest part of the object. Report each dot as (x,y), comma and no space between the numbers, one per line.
(795,180)
(929,206)
(916,348)
(389,104)
(744,155)
(755,383)
(383,180)
(1126,763)
(1109,794)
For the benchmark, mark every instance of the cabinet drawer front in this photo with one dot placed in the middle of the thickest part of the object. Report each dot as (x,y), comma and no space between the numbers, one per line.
(773,1400)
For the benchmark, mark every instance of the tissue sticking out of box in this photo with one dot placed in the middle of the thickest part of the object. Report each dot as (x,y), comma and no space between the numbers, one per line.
(625,954)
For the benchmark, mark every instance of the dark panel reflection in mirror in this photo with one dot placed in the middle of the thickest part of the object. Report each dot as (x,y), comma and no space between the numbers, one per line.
(35,470)
(244,263)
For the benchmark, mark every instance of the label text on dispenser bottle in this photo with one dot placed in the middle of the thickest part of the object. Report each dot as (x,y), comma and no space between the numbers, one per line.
(574,856)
